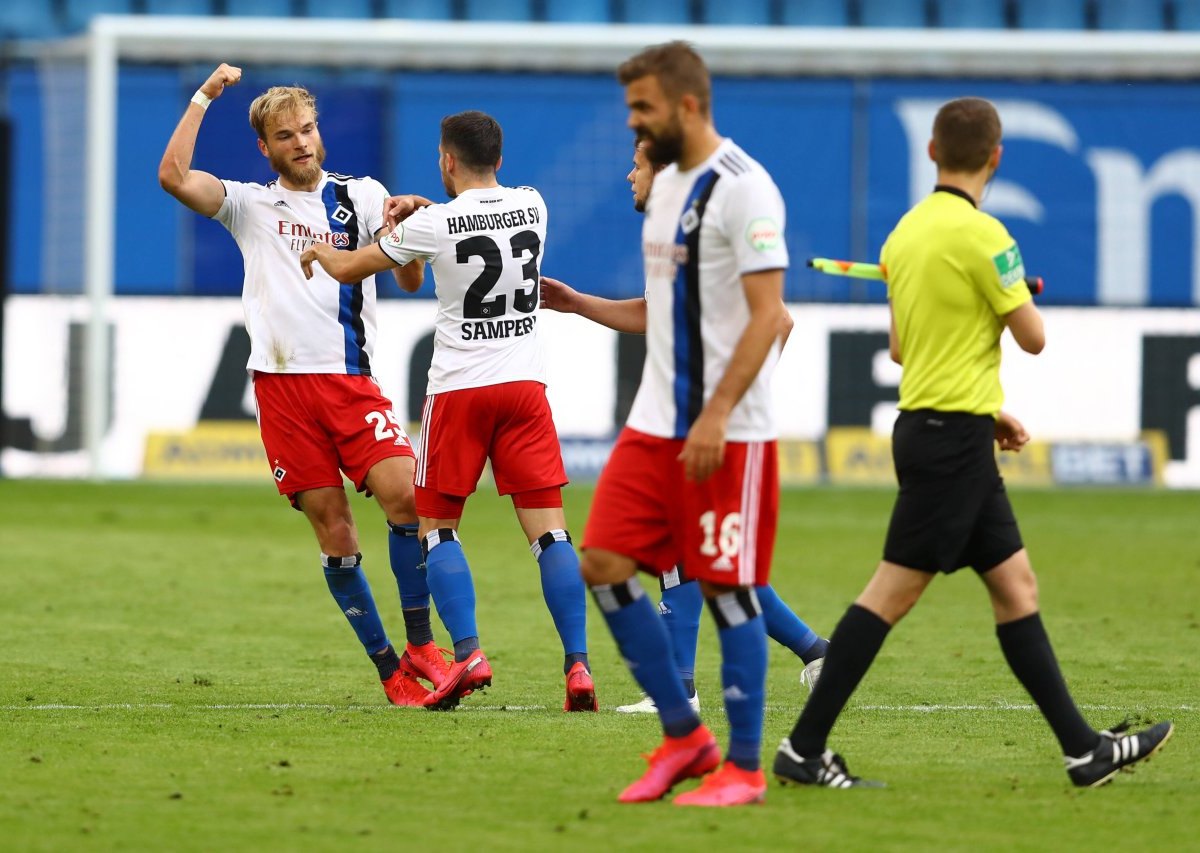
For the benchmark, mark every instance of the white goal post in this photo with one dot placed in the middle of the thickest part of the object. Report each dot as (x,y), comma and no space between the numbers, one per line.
(396,44)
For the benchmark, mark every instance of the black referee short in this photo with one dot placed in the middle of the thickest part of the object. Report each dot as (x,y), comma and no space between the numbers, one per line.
(952,509)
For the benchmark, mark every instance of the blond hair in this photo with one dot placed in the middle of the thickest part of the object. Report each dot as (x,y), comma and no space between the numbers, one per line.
(279,101)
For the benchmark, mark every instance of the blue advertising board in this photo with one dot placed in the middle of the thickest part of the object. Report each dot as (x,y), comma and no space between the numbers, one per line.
(1099,182)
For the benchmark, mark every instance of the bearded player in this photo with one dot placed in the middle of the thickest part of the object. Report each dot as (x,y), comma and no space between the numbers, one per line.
(682,601)
(320,412)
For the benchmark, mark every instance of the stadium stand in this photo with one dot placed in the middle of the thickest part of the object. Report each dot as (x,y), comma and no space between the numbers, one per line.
(180,7)
(659,12)
(27,21)
(342,9)
(743,12)
(893,13)
(1052,14)
(972,14)
(1187,15)
(1129,15)
(579,11)
(422,10)
(77,13)
(499,10)
(264,8)
(813,13)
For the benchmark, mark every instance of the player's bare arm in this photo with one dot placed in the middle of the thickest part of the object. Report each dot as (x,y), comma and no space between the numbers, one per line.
(409,277)
(704,448)
(344,266)
(200,191)
(1027,329)
(621,315)
(1010,433)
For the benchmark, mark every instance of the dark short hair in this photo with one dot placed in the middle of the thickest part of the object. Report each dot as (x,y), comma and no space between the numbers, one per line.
(965,133)
(473,137)
(679,69)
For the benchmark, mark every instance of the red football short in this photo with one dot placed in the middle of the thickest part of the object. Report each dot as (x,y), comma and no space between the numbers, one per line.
(509,423)
(316,425)
(721,530)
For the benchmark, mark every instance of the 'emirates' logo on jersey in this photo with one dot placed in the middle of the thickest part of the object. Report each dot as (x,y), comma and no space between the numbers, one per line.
(303,237)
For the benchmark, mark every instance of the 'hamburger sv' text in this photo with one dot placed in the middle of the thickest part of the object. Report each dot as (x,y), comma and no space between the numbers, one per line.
(493,221)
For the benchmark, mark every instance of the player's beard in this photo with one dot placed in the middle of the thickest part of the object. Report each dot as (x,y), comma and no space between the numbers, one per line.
(665,147)
(449,185)
(300,175)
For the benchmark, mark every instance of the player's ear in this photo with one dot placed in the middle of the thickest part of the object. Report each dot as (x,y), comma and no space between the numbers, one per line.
(994,160)
(498,162)
(690,104)
(932,149)
(262,147)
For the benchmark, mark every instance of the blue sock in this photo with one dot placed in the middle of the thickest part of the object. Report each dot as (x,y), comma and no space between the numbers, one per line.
(562,587)
(404,549)
(788,629)
(743,639)
(643,642)
(352,593)
(449,579)
(680,608)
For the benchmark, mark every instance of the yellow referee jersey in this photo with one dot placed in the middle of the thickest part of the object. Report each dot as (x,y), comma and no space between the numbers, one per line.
(953,272)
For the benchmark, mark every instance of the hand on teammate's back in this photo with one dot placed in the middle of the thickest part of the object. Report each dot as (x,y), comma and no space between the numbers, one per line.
(225,75)
(558,296)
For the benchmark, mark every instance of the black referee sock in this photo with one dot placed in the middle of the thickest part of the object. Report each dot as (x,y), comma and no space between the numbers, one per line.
(854,643)
(1028,652)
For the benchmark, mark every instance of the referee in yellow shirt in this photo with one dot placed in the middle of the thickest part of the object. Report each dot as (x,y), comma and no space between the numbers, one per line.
(955,282)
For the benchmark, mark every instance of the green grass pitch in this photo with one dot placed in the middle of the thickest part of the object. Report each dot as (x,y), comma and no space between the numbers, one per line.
(174,676)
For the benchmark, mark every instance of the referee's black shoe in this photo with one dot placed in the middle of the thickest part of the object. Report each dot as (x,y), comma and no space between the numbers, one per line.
(1116,752)
(828,770)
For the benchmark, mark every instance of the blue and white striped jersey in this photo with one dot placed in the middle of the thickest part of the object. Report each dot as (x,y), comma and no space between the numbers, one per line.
(704,229)
(298,325)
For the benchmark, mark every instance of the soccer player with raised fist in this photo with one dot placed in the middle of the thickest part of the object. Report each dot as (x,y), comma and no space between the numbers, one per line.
(320,411)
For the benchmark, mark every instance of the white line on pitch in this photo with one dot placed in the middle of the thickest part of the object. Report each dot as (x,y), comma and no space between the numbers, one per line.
(301,706)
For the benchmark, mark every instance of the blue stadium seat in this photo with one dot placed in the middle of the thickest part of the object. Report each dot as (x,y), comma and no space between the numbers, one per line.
(579,11)
(260,8)
(423,10)
(814,13)
(657,12)
(499,10)
(742,12)
(27,20)
(1130,15)
(77,13)
(180,7)
(340,9)
(1052,14)
(892,13)
(1187,15)
(972,14)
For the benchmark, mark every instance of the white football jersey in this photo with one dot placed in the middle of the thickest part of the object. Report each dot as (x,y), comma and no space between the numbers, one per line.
(704,229)
(485,247)
(298,325)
